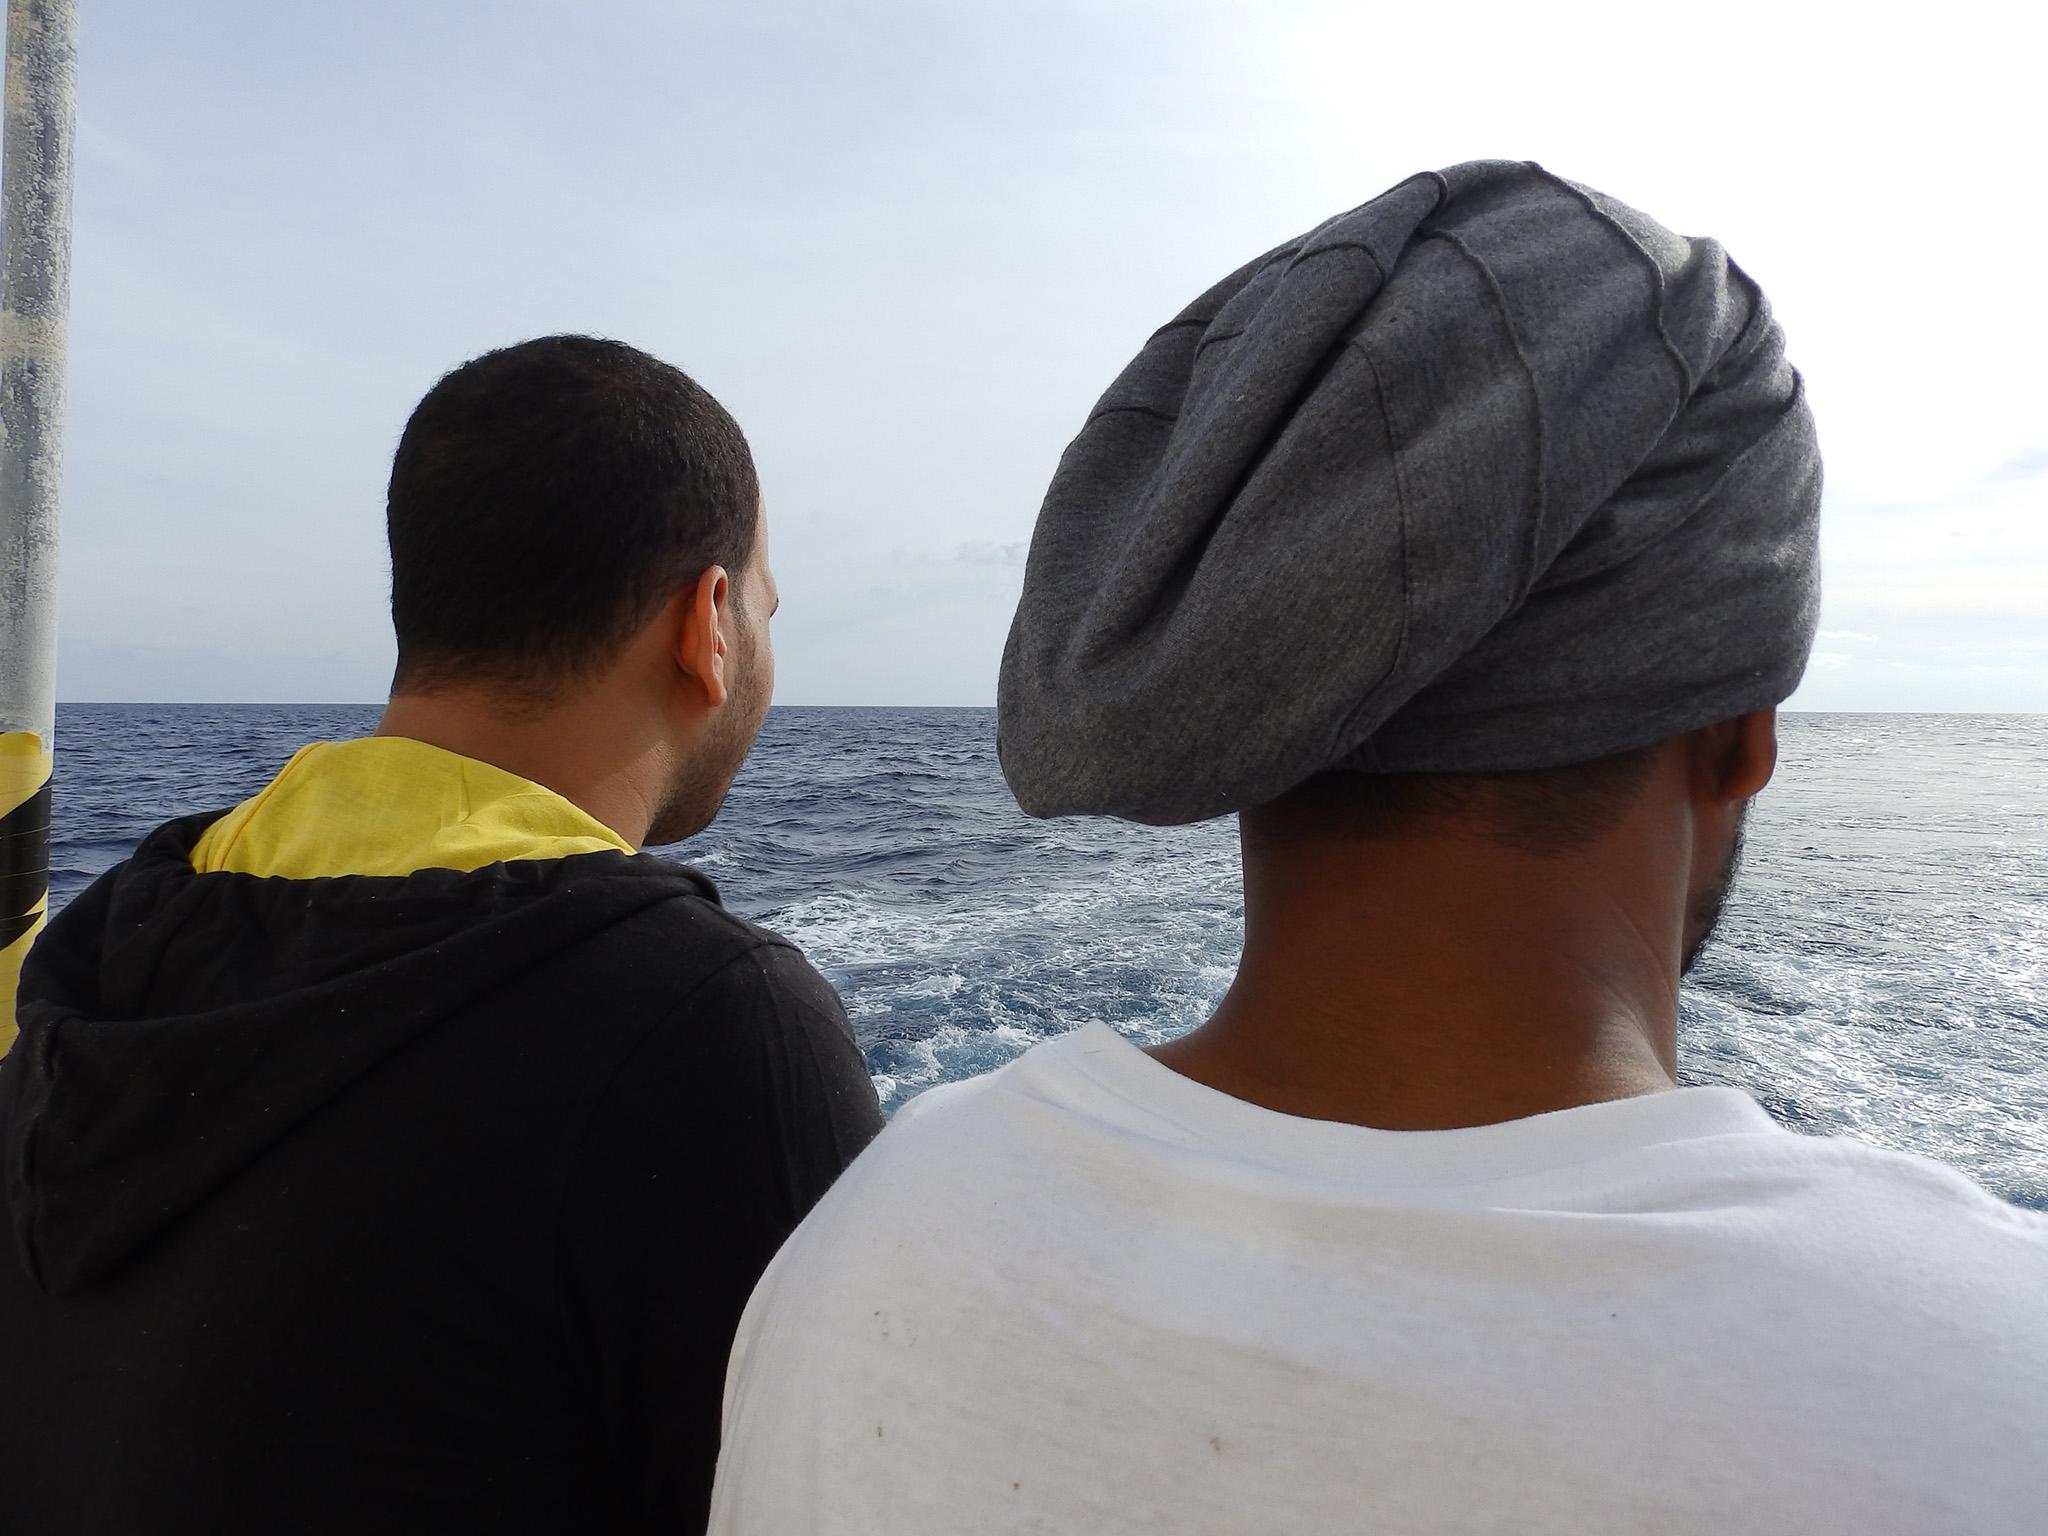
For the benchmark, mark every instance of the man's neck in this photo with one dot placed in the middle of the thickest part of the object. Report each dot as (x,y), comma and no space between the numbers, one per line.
(1431,985)
(579,751)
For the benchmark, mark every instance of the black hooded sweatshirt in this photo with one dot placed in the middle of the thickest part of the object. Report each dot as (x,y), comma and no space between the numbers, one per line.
(426,1203)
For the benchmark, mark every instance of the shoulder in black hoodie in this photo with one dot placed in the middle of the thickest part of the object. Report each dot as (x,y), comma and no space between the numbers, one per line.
(426,1203)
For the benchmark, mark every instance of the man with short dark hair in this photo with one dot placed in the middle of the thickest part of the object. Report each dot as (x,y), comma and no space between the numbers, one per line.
(395,1152)
(1464,546)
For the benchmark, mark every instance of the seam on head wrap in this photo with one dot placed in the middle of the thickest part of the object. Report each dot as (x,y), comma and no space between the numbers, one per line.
(1371,255)
(1274,257)
(1753,328)
(1214,337)
(1793,407)
(1363,757)
(1299,257)
(1655,269)
(1705,499)
(1130,410)
(1533,537)
(1257,461)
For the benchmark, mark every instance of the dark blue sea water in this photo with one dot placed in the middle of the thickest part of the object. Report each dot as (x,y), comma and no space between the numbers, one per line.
(1883,969)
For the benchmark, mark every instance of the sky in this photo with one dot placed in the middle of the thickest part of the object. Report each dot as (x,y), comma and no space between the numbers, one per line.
(909,242)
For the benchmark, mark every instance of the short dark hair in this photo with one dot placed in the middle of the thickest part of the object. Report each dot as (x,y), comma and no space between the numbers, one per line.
(1545,810)
(546,499)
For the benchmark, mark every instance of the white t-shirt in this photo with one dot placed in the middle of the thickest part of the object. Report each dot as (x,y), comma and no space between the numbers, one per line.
(1086,1294)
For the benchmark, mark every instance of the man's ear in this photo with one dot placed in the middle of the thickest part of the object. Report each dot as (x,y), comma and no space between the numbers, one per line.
(702,651)
(1737,757)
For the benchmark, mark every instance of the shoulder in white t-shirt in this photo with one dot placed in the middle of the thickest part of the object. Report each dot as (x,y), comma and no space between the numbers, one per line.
(1086,1294)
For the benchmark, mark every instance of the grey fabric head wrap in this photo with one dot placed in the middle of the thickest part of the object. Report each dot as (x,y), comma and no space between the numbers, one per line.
(1490,473)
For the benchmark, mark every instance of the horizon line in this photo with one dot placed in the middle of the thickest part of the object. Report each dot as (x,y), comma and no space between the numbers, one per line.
(379,703)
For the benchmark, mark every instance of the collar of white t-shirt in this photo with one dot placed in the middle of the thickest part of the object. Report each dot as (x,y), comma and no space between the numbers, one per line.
(1096,1072)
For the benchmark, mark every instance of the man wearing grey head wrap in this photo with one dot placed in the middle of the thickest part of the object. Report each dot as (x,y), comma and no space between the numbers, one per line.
(1490,473)
(1465,546)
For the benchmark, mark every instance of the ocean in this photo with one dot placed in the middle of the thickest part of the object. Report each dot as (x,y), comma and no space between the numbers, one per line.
(1882,971)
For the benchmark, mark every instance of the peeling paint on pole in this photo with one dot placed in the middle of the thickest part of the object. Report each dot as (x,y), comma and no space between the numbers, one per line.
(35,291)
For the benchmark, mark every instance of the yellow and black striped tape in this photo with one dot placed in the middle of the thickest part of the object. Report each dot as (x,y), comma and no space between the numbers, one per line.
(24,859)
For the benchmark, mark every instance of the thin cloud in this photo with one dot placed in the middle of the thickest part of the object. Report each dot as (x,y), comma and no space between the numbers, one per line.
(2022,466)
(1007,554)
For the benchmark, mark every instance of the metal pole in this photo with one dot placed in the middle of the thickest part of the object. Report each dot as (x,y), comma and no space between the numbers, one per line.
(35,291)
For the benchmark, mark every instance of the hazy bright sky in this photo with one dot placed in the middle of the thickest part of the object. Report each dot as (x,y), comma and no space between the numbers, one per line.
(908,242)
